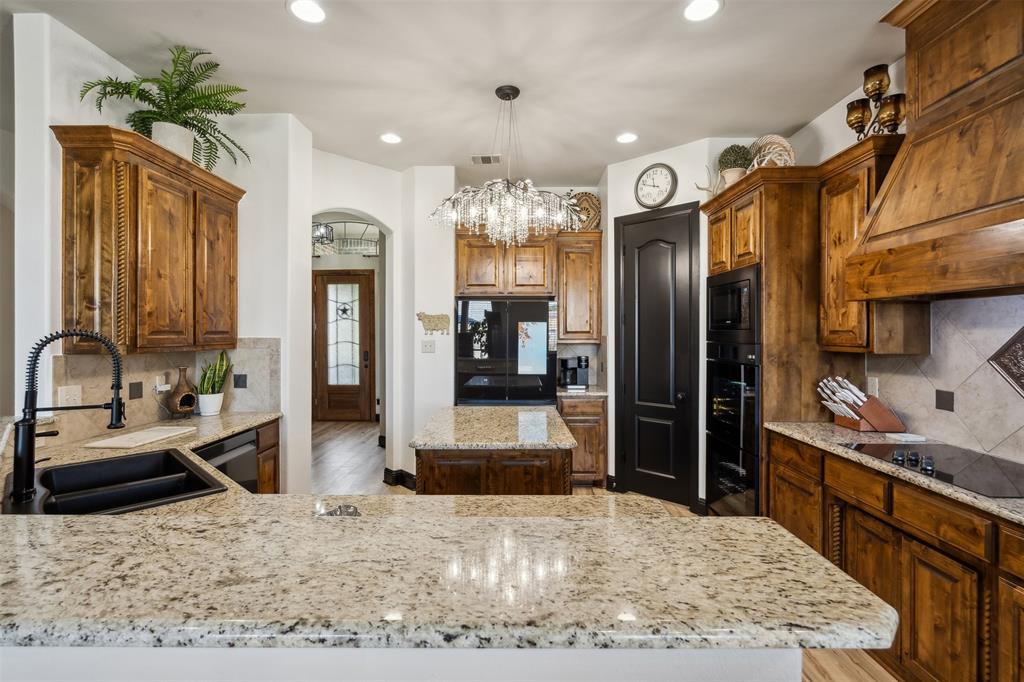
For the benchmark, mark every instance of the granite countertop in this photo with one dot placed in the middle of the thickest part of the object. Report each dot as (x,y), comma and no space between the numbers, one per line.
(827,436)
(425,581)
(593,391)
(463,427)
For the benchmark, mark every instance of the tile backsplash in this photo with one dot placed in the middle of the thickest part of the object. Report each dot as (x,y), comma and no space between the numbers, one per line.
(258,359)
(988,413)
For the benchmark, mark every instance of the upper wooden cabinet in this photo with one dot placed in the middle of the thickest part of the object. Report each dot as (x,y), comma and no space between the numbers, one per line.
(720,242)
(483,268)
(149,244)
(735,232)
(950,215)
(579,286)
(849,183)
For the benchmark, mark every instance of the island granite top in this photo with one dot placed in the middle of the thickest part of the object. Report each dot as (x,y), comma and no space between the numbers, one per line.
(512,427)
(830,437)
(425,581)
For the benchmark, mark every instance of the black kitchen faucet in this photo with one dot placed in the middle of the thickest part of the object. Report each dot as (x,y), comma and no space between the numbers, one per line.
(23,487)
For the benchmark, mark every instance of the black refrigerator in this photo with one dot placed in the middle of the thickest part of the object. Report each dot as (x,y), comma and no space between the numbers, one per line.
(505,350)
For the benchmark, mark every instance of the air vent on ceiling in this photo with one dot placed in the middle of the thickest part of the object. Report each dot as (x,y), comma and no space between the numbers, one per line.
(486,159)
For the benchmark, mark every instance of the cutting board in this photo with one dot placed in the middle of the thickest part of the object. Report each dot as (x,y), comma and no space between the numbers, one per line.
(137,438)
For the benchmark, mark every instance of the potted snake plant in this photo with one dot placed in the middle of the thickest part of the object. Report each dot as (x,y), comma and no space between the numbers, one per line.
(179,107)
(211,385)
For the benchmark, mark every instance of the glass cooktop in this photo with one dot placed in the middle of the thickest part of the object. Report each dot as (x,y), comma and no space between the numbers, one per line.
(975,471)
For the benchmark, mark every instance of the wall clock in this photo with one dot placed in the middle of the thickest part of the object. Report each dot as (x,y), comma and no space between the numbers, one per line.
(655,185)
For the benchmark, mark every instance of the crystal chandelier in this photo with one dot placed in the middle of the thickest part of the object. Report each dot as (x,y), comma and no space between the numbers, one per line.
(507,210)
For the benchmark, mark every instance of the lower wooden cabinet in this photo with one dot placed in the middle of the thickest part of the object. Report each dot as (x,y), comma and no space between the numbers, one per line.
(939,613)
(588,424)
(493,472)
(268,458)
(871,556)
(796,504)
(1011,631)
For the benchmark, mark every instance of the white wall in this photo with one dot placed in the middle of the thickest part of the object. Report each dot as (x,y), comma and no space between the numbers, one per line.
(7,360)
(274,295)
(616,188)
(827,134)
(50,64)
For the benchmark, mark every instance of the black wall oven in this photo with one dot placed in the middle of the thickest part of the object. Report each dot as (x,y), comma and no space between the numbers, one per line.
(734,306)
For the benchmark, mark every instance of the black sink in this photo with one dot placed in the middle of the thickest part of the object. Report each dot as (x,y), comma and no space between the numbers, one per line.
(116,485)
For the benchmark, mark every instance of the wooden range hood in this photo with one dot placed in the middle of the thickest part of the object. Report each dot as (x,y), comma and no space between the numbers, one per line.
(949,217)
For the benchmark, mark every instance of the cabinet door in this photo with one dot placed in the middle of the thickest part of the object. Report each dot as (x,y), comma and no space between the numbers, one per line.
(446,472)
(939,615)
(720,242)
(746,231)
(268,471)
(530,268)
(165,281)
(479,266)
(216,271)
(588,457)
(579,288)
(526,474)
(795,501)
(1011,631)
(844,203)
(871,556)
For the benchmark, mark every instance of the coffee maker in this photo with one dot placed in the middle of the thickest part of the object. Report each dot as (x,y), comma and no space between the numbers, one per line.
(574,371)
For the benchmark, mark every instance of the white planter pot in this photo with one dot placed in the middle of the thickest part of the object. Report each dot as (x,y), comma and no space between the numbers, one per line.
(731,175)
(209,405)
(175,138)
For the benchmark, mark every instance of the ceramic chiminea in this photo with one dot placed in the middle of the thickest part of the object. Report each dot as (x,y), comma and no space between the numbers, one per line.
(182,401)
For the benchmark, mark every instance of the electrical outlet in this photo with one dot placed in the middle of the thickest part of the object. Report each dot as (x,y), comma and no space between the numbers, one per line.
(240,381)
(944,400)
(873,386)
(428,346)
(134,390)
(68,396)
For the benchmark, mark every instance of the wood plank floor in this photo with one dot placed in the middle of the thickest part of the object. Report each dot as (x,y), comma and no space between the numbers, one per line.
(347,461)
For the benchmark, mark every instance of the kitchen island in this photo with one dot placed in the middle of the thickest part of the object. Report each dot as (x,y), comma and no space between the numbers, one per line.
(235,586)
(499,450)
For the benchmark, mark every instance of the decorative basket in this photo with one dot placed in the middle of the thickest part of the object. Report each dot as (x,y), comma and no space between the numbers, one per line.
(772,150)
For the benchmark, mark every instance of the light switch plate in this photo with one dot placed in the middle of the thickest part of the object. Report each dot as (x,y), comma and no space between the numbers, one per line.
(68,396)
(428,346)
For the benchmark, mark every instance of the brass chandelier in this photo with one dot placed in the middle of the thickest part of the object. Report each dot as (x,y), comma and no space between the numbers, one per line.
(506,210)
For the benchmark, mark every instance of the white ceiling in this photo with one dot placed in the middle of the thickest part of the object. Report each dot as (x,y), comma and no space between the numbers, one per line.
(588,70)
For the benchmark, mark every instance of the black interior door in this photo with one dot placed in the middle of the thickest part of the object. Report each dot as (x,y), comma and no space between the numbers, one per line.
(658,309)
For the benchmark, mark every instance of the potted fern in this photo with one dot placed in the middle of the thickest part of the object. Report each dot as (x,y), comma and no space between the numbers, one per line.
(179,107)
(211,385)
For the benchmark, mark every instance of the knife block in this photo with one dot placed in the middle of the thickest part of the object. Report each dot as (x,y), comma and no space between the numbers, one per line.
(855,424)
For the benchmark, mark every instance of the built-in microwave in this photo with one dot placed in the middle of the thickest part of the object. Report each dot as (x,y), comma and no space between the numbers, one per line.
(733,302)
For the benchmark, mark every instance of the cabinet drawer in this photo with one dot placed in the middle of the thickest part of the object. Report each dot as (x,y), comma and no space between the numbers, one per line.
(941,520)
(795,455)
(581,407)
(863,485)
(267,436)
(1011,551)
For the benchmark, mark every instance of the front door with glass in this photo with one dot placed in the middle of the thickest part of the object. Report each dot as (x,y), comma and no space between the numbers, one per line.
(343,345)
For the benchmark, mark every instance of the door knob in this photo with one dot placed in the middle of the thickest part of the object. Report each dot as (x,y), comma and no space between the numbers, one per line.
(680,397)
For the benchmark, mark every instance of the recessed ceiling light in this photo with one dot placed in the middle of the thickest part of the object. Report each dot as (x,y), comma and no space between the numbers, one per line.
(309,11)
(391,138)
(626,138)
(699,10)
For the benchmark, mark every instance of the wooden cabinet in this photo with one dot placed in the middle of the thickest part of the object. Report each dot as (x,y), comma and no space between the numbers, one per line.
(849,183)
(483,268)
(588,422)
(165,286)
(479,267)
(939,610)
(268,459)
(493,472)
(720,242)
(796,504)
(149,245)
(949,216)
(871,556)
(746,231)
(1010,658)
(579,287)
(216,271)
